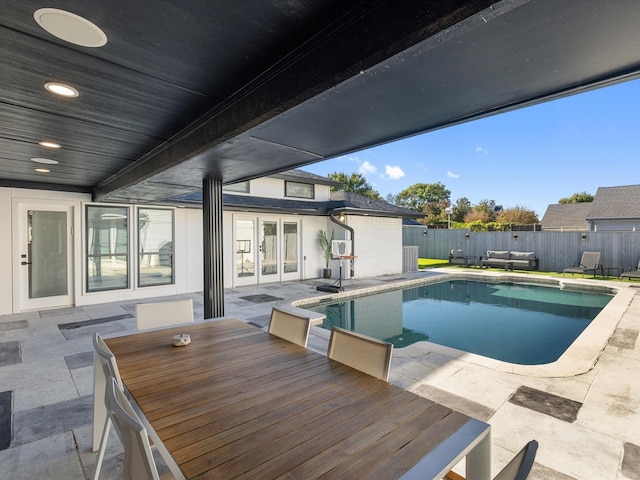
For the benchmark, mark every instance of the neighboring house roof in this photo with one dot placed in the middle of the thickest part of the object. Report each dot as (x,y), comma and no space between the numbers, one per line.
(566,215)
(410,222)
(615,203)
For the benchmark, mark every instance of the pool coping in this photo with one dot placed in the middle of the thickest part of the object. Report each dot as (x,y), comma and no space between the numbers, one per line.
(579,358)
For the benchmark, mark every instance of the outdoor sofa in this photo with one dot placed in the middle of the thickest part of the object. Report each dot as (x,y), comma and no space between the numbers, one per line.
(510,260)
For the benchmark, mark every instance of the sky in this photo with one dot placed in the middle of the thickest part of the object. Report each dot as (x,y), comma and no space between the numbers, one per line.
(531,157)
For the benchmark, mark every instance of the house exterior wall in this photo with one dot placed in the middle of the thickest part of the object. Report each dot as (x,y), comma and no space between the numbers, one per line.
(632,225)
(377,245)
(274,188)
(373,236)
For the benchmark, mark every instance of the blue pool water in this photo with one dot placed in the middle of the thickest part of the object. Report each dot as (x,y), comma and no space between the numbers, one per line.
(524,324)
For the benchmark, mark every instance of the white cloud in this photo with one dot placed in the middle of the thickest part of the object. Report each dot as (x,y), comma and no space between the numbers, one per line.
(450,174)
(482,150)
(393,173)
(367,168)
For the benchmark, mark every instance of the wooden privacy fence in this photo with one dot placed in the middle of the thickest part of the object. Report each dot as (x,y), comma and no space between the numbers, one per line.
(556,250)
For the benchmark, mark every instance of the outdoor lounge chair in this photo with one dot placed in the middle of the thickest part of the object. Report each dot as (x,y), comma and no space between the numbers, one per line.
(590,263)
(631,273)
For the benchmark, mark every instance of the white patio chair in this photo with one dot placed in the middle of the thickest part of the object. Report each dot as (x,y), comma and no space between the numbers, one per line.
(104,369)
(364,353)
(138,460)
(517,469)
(290,326)
(162,314)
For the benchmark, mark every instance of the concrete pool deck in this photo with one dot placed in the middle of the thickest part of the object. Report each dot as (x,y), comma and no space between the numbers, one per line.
(585,419)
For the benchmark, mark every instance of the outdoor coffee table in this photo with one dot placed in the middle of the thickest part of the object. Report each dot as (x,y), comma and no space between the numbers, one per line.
(240,403)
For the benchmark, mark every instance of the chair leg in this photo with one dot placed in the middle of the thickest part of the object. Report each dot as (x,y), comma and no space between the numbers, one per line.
(103,447)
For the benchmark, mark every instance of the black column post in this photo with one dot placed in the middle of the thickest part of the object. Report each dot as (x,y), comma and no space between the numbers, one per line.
(212,244)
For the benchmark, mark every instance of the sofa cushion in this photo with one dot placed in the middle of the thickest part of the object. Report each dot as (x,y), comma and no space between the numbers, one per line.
(523,255)
(457,253)
(501,254)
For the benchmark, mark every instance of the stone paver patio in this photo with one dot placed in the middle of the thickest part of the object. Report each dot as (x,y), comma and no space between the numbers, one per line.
(586,422)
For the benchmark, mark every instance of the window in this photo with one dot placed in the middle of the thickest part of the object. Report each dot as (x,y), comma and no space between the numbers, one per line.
(242,187)
(299,190)
(107,248)
(155,247)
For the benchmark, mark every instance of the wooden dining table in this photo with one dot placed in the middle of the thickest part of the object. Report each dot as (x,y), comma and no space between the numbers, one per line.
(238,402)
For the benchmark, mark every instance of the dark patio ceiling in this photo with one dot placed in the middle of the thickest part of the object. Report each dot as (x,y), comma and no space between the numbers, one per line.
(240,89)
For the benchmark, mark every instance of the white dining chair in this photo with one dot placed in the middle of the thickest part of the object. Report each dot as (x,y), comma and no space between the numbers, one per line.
(162,314)
(105,368)
(290,326)
(518,467)
(138,463)
(364,353)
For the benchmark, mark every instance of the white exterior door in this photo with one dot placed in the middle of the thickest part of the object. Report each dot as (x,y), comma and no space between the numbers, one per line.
(43,263)
(267,250)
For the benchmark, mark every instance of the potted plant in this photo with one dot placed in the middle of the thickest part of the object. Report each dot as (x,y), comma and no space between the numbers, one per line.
(325,245)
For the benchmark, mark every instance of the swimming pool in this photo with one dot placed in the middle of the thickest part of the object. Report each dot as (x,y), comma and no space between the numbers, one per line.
(516,323)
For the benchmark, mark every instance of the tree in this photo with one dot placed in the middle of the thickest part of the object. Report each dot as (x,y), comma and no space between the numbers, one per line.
(429,198)
(461,209)
(354,183)
(483,211)
(519,215)
(581,197)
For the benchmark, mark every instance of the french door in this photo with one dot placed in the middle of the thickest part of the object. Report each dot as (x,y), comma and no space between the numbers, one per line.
(43,255)
(267,249)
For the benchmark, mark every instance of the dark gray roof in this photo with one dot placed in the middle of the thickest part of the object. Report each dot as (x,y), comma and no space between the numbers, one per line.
(347,201)
(340,202)
(615,203)
(297,175)
(566,215)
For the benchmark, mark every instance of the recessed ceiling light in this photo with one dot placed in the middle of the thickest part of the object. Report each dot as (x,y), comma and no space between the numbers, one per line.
(61,89)
(49,144)
(42,170)
(70,27)
(46,161)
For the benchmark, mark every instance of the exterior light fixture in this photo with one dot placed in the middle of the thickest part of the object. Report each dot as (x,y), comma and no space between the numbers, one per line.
(42,170)
(467,236)
(583,236)
(424,233)
(48,144)
(515,236)
(61,89)
(46,161)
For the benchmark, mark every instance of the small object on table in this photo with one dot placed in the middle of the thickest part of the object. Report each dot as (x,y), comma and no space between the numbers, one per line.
(181,340)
